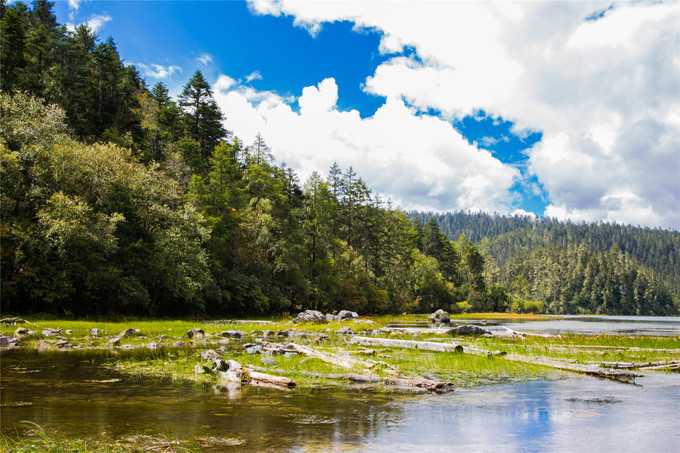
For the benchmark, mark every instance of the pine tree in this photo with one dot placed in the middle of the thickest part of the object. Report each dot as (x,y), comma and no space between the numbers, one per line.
(203,116)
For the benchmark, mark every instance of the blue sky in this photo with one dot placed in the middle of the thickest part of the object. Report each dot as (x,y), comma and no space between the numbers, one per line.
(565,109)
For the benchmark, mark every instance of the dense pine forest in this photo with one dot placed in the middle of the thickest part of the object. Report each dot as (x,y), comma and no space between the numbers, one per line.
(118,199)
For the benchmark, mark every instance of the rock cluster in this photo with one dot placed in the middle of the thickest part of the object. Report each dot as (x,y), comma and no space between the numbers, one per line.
(318,317)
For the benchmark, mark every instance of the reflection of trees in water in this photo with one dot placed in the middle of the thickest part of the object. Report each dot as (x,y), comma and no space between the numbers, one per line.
(75,397)
(309,419)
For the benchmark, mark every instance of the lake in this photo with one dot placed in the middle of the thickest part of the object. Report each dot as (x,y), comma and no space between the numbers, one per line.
(72,393)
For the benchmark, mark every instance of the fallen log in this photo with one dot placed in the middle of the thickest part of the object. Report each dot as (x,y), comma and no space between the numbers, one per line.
(410,344)
(631,365)
(417,330)
(345,361)
(669,366)
(257,376)
(424,345)
(591,370)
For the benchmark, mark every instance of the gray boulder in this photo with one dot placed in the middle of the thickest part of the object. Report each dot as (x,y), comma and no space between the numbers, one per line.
(471,330)
(310,316)
(440,316)
(346,314)
(94,332)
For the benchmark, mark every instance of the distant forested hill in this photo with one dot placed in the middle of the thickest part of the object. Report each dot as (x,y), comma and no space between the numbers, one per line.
(655,249)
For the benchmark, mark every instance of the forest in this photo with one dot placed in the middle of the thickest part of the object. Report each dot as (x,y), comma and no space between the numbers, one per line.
(119,200)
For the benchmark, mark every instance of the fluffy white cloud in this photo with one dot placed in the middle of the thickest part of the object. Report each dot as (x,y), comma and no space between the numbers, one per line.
(418,160)
(95,23)
(600,83)
(158,71)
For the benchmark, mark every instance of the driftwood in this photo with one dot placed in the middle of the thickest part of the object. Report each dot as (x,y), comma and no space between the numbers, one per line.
(410,344)
(591,370)
(345,361)
(645,365)
(424,345)
(258,376)
(418,330)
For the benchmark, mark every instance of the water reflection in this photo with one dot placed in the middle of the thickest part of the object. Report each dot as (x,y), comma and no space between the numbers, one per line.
(71,393)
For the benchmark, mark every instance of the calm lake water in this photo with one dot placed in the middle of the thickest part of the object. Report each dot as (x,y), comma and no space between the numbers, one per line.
(612,325)
(68,392)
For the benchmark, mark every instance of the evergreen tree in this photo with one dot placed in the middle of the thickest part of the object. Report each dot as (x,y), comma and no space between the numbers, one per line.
(203,117)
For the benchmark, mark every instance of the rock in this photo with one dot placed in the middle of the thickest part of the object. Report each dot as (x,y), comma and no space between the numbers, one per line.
(254,350)
(440,316)
(69,332)
(129,346)
(94,332)
(61,344)
(21,332)
(471,330)
(233,333)
(330,317)
(128,332)
(162,337)
(12,321)
(365,321)
(219,365)
(178,344)
(196,333)
(210,354)
(115,341)
(267,333)
(8,342)
(346,314)
(310,316)
(152,345)
(344,331)
(48,332)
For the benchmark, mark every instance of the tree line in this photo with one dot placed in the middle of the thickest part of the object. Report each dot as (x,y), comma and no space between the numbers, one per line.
(117,199)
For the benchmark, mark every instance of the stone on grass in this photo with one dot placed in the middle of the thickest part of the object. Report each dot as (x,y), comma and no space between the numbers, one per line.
(178,344)
(152,345)
(346,314)
(471,330)
(196,333)
(210,354)
(310,316)
(129,332)
(49,332)
(94,332)
(21,332)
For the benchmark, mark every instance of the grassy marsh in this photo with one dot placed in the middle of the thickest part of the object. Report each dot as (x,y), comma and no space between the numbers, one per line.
(178,362)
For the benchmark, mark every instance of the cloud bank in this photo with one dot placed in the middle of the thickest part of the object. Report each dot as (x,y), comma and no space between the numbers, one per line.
(601,84)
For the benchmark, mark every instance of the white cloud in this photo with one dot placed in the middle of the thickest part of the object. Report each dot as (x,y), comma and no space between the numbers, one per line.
(418,160)
(255,75)
(74,4)
(158,71)
(604,93)
(204,58)
(97,21)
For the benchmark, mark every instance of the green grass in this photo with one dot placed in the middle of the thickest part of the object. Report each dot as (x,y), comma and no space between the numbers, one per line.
(462,369)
